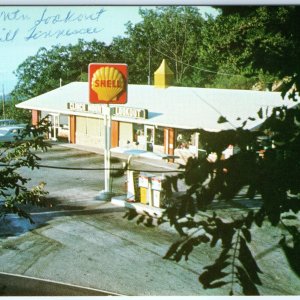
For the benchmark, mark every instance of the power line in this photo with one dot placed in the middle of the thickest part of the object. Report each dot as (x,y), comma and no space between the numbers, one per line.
(111,169)
(202,69)
(213,107)
(100,169)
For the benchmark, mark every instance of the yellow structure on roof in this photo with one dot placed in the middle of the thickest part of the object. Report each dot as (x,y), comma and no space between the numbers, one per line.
(163,76)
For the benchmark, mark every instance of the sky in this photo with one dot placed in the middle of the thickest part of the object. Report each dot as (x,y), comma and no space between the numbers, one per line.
(25,29)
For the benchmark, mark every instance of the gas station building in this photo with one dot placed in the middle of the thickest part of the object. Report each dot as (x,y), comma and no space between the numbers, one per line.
(156,117)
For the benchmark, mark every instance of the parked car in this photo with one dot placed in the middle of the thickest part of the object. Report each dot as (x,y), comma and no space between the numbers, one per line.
(7,122)
(10,134)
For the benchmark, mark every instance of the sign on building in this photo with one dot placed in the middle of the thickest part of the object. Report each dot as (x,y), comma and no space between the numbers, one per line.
(118,111)
(108,83)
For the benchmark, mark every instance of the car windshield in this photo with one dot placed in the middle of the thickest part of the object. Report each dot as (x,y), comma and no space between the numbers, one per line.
(7,122)
(3,131)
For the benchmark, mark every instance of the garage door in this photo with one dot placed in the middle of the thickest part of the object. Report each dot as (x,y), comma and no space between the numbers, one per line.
(89,131)
(125,134)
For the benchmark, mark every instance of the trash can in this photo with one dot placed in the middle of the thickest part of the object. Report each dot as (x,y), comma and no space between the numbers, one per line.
(158,192)
(145,188)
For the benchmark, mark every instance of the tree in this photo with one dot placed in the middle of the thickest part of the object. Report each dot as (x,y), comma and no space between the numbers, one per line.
(15,195)
(41,73)
(11,112)
(259,43)
(165,32)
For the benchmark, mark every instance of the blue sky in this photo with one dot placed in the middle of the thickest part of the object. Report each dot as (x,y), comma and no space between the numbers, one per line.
(25,29)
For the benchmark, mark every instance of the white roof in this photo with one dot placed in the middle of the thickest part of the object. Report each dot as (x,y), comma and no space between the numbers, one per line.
(179,107)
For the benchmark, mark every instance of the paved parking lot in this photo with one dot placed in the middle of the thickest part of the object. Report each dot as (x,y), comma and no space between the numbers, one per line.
(87,242)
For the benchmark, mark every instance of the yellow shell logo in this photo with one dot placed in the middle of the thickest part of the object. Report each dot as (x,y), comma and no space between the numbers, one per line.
(107,83)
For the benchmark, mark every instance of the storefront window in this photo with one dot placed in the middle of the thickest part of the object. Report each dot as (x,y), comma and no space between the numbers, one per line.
(138,132)
(183,138)
(159,136)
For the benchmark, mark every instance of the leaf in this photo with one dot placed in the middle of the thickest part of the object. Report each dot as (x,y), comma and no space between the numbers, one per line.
(218,284)
(184,250)
(140,219)
(259,217)
(201,239)
(208,277)
(244,124)
(226,232)
(131,214)
(17,191)
(174,181)
(246,234)
(224,255)
(222,120)
(260,113)
(149,222)
(172,250)
(249,288)
(290,217)
(217,266)
(248,262)
(215,271)
(215,238)
(249,219)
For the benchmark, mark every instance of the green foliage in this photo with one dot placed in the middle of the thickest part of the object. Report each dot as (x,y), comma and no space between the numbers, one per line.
(15,195)
(170,32)
(41,73)
(11,112)
(253,42)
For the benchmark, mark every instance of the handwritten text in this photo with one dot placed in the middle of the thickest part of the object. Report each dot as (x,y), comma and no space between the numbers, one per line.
(36,32)
(15,15)
(47,25)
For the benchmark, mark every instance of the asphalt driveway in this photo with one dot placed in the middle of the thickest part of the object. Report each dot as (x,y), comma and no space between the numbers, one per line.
(86,242)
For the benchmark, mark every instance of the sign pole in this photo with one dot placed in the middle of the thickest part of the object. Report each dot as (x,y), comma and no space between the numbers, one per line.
(107,84)
(107,193)
(107,149)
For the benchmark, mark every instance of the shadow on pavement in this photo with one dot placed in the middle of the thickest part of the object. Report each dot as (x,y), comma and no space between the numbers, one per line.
(13,225)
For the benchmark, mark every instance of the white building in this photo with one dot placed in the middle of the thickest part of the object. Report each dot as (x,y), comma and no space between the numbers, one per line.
(155,117)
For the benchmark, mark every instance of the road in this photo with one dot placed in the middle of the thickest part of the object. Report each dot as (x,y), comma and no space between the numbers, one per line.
(86,242)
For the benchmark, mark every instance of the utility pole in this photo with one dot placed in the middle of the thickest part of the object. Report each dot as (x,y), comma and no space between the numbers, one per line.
(149,66)
(3,101)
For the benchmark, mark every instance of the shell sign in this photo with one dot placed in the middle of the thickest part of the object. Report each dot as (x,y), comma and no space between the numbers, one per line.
(108,83)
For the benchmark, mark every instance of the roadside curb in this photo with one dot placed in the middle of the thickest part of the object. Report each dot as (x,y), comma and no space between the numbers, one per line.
(21,285)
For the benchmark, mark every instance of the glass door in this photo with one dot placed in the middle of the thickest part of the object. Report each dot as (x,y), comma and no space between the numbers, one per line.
(149,132)
(53,130)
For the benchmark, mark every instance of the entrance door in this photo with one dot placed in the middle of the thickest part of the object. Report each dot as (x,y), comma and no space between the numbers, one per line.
(149,132)
(53,132)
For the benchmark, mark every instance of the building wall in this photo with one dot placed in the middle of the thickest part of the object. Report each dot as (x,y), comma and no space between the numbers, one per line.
(35,116)
(72,126)
(115,133)
(169,140)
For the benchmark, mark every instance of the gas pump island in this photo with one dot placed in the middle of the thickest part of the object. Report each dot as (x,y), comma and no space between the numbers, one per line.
(107,85)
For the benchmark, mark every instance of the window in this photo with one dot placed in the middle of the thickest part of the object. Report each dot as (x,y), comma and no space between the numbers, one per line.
(159,136)
(138,131)
(183,138)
